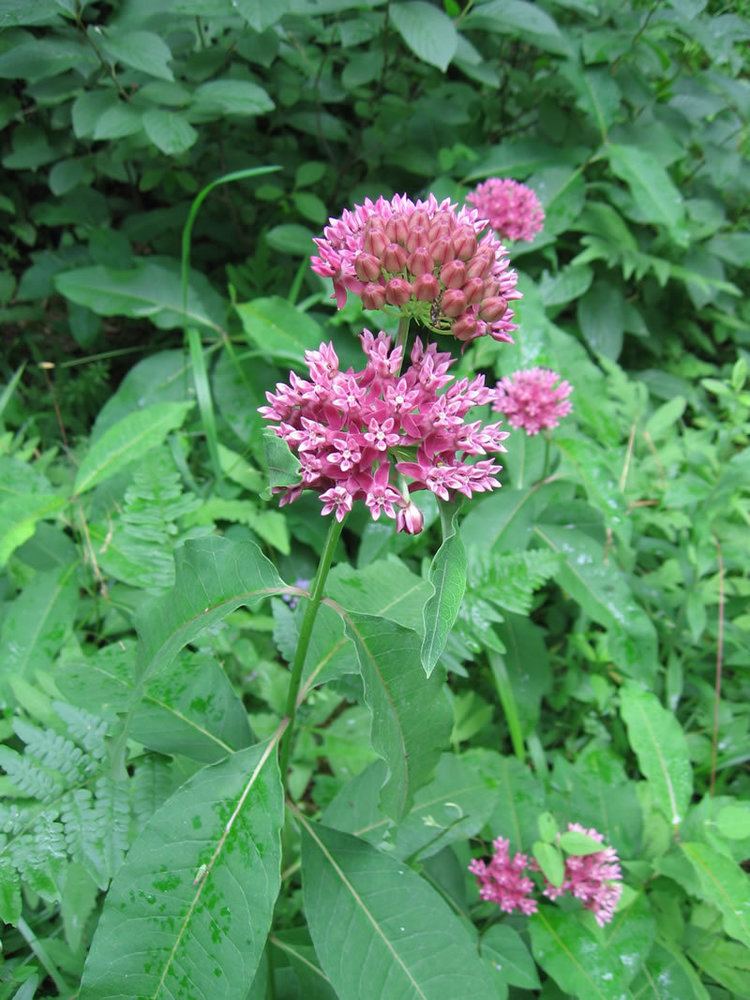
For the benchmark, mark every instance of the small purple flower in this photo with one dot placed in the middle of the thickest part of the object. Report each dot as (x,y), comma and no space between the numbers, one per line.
(502,879)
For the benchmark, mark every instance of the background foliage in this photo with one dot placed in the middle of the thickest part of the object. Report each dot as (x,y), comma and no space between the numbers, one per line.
(601,604)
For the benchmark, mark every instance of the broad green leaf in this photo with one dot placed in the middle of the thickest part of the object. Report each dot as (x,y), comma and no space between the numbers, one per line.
(290,238)
(527,666)
(282,464)
(734,821)
(19,516)
(386,588)
(37,623)
(231,97)
(160,378)
(10,893)
(603,593)
(141,50)
(261,15)
(44,57)
(662,421)
(668,975)
(149,290)
(587,962)
(411,718)
(189,708)
(505,948)
(280,330)
(519,799)
(447,578)
(14,13)
(127,440)
(573,842)
(236,468)
(550,861)
(723,884)
(652,189)
(189,911)
(518,17)
(170,132)
(566,286)
(426,30)
(379,930)
(213,576)
(661,748)
(503,520)
(601,316)
(520,157)
(597,94)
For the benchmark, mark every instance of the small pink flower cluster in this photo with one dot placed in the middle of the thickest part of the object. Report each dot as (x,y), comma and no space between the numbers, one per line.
(502,880)
(513,210)
(426,258)
(531,400)
(595,879)
(352,431)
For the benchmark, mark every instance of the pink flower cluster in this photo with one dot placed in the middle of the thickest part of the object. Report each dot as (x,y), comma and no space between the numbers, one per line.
(426,258)
(356,432)
(531,400)
(513,210)
(595,879)
(502,879)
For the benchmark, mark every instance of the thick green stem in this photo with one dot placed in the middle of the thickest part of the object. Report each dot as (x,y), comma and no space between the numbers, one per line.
(305,634)
(402,336)
(547,446)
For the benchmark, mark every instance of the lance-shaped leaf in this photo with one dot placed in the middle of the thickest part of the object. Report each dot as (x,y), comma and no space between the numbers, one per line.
(190,909)
(723,884)
(213,577)
(448,579)
(379,930)
(411,718)
(661,748)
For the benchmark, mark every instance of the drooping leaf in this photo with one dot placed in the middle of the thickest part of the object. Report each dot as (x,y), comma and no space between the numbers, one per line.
(447,577)
(411,719)
(661,748)
(127,440)
(426,30)
(379,930)
(213,577)
(189,911)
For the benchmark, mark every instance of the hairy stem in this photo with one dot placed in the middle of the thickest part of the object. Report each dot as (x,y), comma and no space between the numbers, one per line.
(305,634)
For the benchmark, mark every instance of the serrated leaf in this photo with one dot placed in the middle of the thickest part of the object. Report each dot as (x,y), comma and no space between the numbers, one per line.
(213,576)
(379,930)
(447,576)
(723,884)
(194,900)
(127,440)
(662,751)
(411,718)
(426,30)
(280,330)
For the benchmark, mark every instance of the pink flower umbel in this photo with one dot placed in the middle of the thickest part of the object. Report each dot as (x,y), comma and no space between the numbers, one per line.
(359,434)
(430,260)
(595,879)
(513,210)
(531,399)
(502,879)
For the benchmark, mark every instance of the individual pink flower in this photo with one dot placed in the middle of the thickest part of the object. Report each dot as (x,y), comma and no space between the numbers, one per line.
(530,399)
(595,878)
(434,262)
(502,879)
(512,209)
(379,434)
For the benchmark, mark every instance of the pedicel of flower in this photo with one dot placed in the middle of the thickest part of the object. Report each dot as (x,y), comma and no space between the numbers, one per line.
(434,262)
(532,400)
(512,209)
(378,436)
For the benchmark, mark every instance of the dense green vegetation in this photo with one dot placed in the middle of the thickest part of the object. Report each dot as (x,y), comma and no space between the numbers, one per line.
(152,592)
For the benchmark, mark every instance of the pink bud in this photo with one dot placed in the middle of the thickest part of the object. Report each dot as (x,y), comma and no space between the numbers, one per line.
(409,519)
(419,218)
(397,292)
(480,266)
(375,242)
(492,309)
(367,267)
(474,291)
(465,327)
(397,230)
(442,251)
(440,229)
(373,296)
(426,288)
(454,302)
(465,244)
(453,274)
(394,257)
(417,238)
(420,262)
